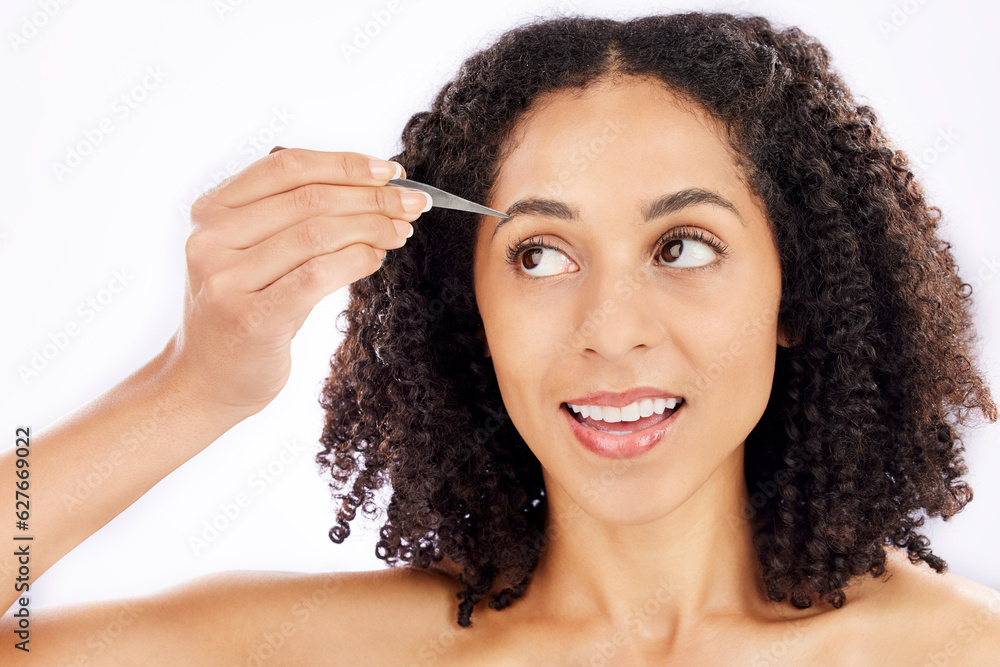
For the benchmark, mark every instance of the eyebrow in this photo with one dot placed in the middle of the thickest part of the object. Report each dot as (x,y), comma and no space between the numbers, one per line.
(661,206)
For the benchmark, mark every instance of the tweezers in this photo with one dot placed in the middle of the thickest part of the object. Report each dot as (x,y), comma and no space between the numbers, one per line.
(443,199)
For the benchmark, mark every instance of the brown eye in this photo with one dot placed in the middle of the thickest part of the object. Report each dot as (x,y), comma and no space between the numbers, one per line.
(672,250)
(684,253)
(532,258)
(539,260)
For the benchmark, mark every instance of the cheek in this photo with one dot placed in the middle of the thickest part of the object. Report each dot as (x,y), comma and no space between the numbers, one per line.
(524,339)
(735,355)
(528,335)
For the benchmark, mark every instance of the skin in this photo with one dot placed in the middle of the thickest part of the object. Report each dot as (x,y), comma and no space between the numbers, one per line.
(665,533)
(649,560)
(615,313)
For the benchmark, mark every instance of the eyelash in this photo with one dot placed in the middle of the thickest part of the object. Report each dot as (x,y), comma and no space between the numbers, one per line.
(517,248)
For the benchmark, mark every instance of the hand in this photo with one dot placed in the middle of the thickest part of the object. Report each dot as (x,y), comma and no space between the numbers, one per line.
(266,246)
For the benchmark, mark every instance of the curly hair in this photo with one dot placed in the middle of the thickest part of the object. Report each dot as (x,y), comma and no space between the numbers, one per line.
(861,435)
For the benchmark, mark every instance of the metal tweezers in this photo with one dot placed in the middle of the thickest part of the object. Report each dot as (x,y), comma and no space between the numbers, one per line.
(443,199)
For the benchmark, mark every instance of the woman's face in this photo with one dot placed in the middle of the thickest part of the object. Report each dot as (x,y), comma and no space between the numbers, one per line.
(646,263)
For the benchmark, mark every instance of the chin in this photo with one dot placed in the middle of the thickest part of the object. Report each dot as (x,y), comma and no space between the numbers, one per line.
(623,502)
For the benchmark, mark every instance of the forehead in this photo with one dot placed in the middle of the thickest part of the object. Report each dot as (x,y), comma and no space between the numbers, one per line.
(633,127)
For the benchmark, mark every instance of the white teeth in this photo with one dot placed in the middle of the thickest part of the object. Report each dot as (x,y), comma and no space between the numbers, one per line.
(630,413)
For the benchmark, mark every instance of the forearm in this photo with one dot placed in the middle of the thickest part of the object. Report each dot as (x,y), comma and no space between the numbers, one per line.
(90,465)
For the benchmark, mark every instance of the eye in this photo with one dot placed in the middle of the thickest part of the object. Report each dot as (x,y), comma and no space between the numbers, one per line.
(538,259)
(679,248)
(689,248)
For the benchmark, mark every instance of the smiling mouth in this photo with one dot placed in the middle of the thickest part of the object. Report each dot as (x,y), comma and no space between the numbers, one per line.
(623,427)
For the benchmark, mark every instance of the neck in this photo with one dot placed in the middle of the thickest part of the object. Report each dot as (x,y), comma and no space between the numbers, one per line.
(696,561)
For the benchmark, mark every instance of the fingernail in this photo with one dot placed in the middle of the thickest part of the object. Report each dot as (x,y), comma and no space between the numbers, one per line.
(416,201)
(384,170)
(276,149)
(404,230)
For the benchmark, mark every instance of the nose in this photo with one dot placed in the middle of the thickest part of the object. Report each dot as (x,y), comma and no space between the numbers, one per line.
(618,312)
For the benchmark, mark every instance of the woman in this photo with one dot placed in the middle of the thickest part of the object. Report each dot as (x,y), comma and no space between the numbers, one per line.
(685,406)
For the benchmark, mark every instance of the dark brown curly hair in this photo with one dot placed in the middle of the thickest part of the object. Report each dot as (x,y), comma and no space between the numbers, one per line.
(860,437)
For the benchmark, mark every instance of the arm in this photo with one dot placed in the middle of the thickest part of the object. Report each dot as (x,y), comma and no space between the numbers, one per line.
(266,246)
(91,465)
(256,618)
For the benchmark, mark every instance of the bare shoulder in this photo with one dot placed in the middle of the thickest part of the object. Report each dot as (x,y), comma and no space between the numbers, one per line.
(253,618)
(929,616)
(378,617)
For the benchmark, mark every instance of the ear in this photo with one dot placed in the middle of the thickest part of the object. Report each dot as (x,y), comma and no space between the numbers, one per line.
(481,335)
(784,338)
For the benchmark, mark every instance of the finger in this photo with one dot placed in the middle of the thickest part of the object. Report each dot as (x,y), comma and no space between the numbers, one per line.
(253,223)
(268,261)
(281,148)
(294,295)
(288,168)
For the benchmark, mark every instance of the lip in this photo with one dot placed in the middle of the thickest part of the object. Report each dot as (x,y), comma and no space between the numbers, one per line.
(620,400)
(620,446)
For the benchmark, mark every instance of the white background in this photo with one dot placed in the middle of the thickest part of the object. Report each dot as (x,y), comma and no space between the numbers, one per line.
(230,71)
